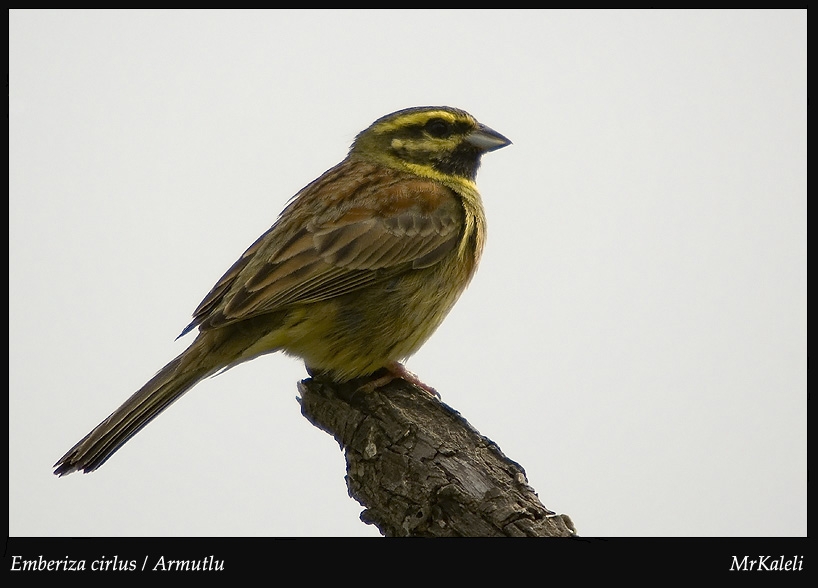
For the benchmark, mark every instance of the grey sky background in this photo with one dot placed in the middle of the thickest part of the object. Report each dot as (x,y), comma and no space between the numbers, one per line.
(635,336)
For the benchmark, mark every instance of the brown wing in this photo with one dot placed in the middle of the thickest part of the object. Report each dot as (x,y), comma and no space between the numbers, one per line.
(355,226)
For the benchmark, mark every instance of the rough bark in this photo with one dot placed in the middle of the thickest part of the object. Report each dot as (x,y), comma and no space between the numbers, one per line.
(420,469)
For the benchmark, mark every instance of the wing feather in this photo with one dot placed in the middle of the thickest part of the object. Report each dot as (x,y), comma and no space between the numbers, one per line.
(335,238)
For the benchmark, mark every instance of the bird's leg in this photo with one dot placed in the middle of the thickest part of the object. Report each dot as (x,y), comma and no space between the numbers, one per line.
(397,370)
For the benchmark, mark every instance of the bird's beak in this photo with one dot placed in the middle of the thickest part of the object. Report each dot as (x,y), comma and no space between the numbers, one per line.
(486,139)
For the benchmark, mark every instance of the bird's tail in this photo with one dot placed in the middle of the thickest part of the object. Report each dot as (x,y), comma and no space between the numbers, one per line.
(173,380)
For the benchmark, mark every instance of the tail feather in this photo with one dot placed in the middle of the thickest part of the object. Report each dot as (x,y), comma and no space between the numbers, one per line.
(172,381)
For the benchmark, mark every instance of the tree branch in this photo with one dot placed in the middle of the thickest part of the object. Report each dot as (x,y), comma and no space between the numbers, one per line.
(420,469)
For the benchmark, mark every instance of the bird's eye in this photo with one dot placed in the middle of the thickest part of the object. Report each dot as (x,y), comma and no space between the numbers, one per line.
(437,127)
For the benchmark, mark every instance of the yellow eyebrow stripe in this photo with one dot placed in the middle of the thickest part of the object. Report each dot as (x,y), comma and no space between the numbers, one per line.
(414,118)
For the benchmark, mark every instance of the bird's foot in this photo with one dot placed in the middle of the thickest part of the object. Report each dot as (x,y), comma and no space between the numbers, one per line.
(396,370)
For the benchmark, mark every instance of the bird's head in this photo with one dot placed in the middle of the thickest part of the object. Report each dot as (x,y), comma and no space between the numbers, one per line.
(431,141)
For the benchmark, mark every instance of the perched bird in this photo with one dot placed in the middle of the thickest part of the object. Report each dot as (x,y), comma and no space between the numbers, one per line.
(357,272)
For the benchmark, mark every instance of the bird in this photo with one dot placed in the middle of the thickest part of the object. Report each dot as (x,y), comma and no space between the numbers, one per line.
(360,268)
